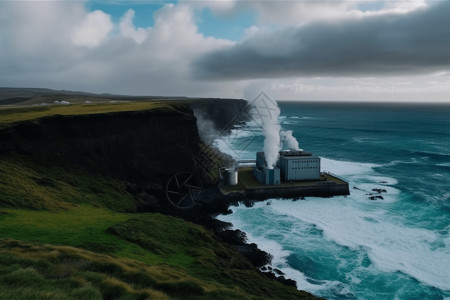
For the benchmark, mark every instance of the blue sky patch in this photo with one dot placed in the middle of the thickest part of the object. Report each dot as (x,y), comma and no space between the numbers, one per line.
(144,11)
(225,27)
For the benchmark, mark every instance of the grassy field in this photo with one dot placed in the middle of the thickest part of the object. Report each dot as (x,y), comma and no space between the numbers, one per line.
(27,184)
(96,253)
(10,115)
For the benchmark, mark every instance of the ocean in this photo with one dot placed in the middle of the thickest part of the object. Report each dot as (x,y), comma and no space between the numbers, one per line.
(353,247)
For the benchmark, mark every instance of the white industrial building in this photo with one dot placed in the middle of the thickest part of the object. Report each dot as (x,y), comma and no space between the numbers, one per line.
(298,165)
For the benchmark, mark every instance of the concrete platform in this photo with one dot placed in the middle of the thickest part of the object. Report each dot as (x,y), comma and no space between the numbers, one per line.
(327,186)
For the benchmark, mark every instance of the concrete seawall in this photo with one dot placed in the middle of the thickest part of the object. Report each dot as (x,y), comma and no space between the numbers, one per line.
(325,189)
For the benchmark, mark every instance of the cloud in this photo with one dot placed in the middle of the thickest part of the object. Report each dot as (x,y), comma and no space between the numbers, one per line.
(93,30)
(61,45)
(414,42)
(295,12)
(127,28)
(421,88)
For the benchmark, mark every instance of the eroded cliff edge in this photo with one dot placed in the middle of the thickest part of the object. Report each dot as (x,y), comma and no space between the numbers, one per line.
(138,149)
(143,148)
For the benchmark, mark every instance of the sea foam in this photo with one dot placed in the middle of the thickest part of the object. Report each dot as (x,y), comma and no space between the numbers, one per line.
(361,225)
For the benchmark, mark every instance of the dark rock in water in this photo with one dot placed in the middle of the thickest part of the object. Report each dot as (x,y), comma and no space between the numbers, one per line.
(376,197)
(285,281)
(263,269)
(297,198)
(379,191)
(383,182)
(279,272)
(256,256)
(356,188)
(249,203)
(269,268)
(233,237)
(269,203)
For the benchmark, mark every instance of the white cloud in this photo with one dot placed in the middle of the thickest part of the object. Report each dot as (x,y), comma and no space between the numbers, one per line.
(127,28)
(61,45)
(398,89)
(296,12)
(58,44)
(93,30)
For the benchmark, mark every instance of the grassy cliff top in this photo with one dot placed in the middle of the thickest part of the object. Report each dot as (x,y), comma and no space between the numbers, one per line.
(15,114)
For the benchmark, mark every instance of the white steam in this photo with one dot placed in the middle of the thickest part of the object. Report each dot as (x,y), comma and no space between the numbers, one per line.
(271,143)
(289,140)
(206,127)
(265,111)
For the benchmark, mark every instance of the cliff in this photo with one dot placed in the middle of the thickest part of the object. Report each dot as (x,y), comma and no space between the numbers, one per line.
(82,169)
(141,147)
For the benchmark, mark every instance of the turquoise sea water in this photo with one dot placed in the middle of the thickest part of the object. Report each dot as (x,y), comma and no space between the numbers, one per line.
(352,247)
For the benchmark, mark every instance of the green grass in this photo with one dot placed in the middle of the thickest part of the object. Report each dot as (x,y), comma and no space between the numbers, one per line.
(171,256)
(30,271)
(27,184)
(87,227)
(12,115)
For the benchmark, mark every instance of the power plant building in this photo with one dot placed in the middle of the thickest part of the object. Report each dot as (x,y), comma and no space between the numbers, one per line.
(263,174)
(299,165)
(295,165)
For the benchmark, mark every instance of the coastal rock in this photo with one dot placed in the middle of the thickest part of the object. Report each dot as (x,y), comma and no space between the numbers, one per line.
(278,271)
(256,256)
(286,281)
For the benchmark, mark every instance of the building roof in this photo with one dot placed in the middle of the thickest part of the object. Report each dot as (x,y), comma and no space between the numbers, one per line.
(289,154)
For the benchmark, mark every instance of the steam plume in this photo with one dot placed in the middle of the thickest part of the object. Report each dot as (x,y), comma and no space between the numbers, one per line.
(271,143)
(206,127)
(289,140)
(266,111)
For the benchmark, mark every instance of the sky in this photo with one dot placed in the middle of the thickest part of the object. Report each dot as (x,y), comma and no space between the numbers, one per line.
(333,50)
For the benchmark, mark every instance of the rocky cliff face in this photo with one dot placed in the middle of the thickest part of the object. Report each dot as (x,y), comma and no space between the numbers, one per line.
(144,148)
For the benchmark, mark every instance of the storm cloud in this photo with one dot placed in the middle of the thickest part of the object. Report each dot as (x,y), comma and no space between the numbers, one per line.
(414,42)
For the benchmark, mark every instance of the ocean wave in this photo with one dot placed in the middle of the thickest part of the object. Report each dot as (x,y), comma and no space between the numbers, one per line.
(432,154)
(390,246)
(361,139)
(447,165)
(343,168)
(324,288)
(360,225)
(398,162)
(382,180)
